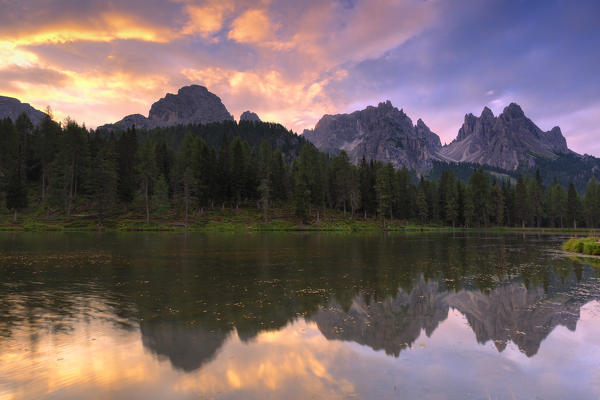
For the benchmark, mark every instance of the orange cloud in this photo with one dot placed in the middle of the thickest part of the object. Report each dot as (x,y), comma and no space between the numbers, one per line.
(253,26)
(295,102)
(105,27)
(206,19)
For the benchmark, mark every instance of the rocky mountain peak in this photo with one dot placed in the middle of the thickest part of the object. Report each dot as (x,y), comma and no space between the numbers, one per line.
(192,104)
(487,114)
(381,133)
(507,141)
(513,111)
(385,105)
(249,116)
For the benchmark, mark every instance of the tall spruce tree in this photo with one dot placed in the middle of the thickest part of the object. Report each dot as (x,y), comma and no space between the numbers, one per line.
(127,147)
(573,205)
(147,171)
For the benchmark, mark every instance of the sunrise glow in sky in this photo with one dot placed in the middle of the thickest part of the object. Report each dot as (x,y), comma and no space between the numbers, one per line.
(292,61)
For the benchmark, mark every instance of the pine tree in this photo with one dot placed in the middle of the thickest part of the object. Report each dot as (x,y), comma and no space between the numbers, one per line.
(451,200)
(146,169)
(573,205)
(367,179)
(383,189)
(591,203)
(422,205)
(480,190)
(264,190)
(223,171)
(75,148)
(14,165)
(469,207)
(183,176)
(497,204)
(160,197)
(46,140)
(104,180)
(557,204)
(521,201)
(238,170)
(127,180)
(536,192)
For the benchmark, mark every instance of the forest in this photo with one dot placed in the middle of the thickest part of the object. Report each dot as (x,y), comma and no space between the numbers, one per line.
(64,169)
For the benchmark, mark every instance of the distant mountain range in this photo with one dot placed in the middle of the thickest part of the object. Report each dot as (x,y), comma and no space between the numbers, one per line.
(507,144)
(509,141)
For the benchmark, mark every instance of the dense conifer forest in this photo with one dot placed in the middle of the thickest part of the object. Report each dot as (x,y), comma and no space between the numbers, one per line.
(62,170)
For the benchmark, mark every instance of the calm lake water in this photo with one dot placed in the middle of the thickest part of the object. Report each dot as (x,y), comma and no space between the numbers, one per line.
(296,316)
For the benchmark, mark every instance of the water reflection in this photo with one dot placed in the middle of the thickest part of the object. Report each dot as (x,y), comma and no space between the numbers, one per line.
(255,316)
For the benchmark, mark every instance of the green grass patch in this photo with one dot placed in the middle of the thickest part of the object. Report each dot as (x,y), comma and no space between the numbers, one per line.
(589,246)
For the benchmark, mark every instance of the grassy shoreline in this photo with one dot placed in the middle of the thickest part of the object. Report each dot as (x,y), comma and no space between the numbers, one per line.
(589,246)
(242,220)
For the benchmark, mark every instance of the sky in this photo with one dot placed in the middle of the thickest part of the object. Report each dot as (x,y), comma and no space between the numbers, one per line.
(293,61)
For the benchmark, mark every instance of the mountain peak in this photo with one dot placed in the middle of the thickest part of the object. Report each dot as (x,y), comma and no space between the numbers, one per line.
(192,104)
(509,141)
(385,104)
(192,90)
(486,113)
(381,133)
(513,111)
(249,116)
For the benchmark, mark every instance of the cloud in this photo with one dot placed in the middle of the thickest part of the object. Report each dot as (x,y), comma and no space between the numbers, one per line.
(253,26)
(275,97)
(34,75)
(105,27)
(206,19)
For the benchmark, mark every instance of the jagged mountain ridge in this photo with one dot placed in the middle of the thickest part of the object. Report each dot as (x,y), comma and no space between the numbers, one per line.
(12,108)
(381,133)
(192,104)
(508,141)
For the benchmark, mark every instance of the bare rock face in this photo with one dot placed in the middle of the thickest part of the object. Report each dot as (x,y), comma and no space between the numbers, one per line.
(12,108)
(381,133)
(249,116)
(191,105)
(508,141)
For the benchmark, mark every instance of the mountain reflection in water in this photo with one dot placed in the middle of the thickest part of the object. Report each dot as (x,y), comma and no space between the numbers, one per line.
(257,316)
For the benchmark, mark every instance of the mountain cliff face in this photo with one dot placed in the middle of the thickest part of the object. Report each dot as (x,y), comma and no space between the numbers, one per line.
(12,108)
(191,105)
(381,133)
(508,141)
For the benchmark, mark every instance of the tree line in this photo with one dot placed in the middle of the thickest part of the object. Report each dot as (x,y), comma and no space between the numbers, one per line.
(59,169)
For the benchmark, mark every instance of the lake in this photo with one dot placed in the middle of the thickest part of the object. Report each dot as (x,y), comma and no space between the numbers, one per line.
(296,316)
